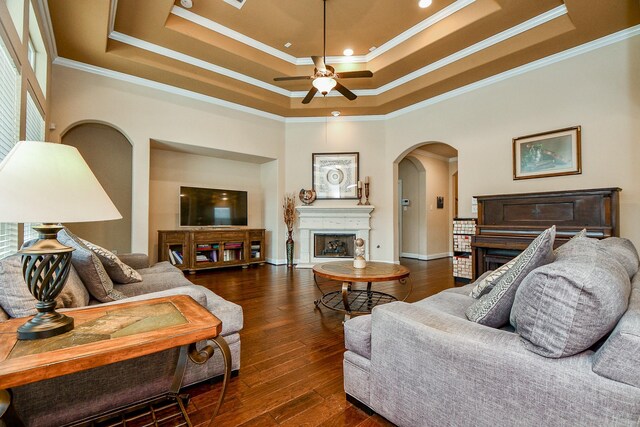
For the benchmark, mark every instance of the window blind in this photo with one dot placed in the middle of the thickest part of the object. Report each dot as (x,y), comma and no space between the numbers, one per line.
(34,132)
(9,133)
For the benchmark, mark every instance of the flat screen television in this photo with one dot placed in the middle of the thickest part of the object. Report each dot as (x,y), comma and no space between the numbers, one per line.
(201,207)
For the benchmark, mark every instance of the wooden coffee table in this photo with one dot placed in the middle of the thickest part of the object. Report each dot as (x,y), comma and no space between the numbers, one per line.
(109,334)
(358,301)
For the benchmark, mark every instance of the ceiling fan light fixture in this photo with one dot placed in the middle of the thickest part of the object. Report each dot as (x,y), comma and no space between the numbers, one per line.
(324,84)
(424,3)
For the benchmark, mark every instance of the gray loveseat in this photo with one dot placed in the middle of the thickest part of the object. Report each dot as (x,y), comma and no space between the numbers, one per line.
(427,364)
(62,400)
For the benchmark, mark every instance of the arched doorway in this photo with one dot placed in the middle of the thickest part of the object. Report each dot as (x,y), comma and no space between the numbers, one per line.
(427,180)
(109,155)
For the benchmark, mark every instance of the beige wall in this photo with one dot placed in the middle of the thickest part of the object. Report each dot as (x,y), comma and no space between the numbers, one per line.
(169,170)
(143,113)
(413,216)
(338,135)
(108,154)
(599,90)
(438,220)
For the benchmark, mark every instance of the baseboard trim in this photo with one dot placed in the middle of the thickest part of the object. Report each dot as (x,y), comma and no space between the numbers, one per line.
(425,257)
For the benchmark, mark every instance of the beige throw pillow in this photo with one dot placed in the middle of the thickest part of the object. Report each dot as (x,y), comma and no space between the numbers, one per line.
(118,271)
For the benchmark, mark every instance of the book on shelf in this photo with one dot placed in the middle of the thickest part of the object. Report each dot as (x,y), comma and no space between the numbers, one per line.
(201,258)
(175,257)
(255,247)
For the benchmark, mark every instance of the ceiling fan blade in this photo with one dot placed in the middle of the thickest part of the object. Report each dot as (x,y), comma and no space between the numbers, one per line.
(319,63)
(312,92)
(282,79)
(354,74)
(346,92)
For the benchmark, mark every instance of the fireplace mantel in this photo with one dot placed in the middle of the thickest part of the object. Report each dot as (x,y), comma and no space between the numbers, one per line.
(330,219)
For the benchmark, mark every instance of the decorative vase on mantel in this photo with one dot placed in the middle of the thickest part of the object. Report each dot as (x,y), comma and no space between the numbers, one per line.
(290,249)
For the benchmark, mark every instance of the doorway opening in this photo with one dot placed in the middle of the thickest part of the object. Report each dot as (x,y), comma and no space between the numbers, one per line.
(427,201)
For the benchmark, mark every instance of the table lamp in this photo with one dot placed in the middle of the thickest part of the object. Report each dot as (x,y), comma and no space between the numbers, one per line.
(47,183)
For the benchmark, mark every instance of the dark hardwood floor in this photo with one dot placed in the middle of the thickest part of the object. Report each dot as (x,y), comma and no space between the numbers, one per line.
(291,361)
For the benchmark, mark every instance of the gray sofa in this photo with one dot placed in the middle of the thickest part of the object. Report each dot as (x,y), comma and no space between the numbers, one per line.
(427,364)
(59,401)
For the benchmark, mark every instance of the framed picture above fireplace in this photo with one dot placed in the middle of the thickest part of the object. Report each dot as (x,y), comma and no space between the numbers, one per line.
(335,175)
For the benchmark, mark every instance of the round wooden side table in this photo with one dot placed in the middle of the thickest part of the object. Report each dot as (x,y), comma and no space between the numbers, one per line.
(358,301)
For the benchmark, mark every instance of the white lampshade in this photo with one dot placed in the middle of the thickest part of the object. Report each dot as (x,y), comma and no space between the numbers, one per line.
(324,84)
(45,182)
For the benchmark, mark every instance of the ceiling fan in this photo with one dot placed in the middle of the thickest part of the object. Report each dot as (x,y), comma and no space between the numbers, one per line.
(324,76)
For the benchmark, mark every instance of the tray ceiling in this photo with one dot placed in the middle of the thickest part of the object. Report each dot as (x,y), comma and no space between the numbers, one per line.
(233,54)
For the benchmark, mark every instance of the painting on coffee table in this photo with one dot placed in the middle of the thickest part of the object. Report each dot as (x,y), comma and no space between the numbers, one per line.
(546,154)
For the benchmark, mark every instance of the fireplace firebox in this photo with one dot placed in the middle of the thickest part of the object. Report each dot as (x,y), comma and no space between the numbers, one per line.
(333,245)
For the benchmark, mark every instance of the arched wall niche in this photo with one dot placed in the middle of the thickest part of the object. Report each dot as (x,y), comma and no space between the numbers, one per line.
(423,229)
(109,154)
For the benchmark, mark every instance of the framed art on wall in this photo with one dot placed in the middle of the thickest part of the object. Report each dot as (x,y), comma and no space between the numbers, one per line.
(553,153)
(335,175)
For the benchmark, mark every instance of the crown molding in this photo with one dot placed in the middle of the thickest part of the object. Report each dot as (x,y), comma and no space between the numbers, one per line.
(475,48)
(540,63)
(418,28)
(68,63)
(328,119)
(187,59)
(567,54)
(228,32)
(397,40)
(491,41)
(47,32)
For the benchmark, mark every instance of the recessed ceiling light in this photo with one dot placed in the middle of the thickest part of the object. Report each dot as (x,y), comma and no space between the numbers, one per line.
(348,52)
(335,113)
(287,44)
(186,4)
(424,3)
(372,48)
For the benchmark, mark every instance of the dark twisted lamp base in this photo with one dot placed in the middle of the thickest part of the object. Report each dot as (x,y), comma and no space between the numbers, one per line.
(45,267)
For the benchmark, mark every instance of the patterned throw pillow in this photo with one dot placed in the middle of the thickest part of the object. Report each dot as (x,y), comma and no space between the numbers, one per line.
(485,283)
(89,268)
(494,308)
(117,270)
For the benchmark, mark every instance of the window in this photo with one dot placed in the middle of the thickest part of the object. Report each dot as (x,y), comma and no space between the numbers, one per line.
(36,51)
(9,133)
(31,53)
(16,11)
(34,132)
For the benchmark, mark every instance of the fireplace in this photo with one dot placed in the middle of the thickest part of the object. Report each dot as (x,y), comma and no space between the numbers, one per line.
(333,245)
(327,233)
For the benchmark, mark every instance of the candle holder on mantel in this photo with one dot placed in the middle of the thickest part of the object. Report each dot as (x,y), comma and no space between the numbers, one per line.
(366,193)
(359,193)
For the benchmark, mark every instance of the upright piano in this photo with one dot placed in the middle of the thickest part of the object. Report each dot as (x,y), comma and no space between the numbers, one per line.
(507,223)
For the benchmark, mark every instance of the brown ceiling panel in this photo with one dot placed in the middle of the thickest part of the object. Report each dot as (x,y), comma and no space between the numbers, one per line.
(81,30)
(358,24)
